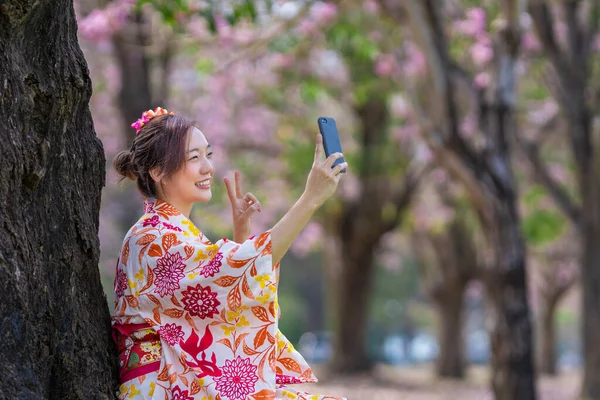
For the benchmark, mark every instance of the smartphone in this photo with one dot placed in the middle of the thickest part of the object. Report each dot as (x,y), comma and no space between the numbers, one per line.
(331,139)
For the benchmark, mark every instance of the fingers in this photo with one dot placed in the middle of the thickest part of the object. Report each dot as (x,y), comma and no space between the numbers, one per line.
(332,158)
(251,210)
(230,190)
(252,200)
(337,170)
(238,186)
(319,152)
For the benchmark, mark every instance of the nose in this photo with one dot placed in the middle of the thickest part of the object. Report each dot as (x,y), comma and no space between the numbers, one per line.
(207,167)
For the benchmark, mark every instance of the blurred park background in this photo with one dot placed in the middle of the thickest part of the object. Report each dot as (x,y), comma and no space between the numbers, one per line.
(459,250)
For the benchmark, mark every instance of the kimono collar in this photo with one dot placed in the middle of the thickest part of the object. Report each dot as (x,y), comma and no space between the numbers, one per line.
(160,212)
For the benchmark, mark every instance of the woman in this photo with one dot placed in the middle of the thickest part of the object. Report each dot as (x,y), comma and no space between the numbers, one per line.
(195,319)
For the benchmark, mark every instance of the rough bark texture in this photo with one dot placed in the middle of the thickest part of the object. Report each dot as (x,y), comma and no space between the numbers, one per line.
(55,326)
(360,228)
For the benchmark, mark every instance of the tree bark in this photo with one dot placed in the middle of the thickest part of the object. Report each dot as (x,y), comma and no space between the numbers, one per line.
(55,329)
(590,284)
(513,374)
(451,360)
(572,67)
(456,263)
(547,335)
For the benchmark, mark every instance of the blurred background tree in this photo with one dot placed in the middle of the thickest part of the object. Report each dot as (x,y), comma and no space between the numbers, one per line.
(430,99)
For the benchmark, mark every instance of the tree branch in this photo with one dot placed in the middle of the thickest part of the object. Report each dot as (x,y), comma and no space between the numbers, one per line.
(403,196)
(544,25)
(542,175)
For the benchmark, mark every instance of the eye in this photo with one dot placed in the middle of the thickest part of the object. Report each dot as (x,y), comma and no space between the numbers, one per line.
(209,154)
(194,158)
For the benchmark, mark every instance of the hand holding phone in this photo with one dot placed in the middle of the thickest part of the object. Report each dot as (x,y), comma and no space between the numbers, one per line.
(331,139)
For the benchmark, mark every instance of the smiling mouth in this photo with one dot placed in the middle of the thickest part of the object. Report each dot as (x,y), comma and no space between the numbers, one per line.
(203,184)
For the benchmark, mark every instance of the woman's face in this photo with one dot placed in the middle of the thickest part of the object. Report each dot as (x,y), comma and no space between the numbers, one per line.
(192,183)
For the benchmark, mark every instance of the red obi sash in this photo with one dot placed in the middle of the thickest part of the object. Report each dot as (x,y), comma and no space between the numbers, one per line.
(139,350)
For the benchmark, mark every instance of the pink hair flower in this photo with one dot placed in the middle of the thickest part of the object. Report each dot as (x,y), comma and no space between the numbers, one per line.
(147,116)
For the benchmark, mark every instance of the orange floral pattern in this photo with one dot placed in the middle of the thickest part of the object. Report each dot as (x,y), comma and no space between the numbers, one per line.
(214,306)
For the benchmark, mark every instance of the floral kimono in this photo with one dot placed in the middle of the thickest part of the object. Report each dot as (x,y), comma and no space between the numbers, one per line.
(197,320)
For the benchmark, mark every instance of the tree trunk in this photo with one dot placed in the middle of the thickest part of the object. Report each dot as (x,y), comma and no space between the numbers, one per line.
(56,341)
(451,362)
(590,283)
(354,293)
(513,374)
(547,335)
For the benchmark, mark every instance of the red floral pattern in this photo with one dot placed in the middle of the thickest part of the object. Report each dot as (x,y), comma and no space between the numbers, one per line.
(179,394)
(168,273)
(171,333)
(200,301)
(213,266)
(120,283)
(238,379)
(151,221)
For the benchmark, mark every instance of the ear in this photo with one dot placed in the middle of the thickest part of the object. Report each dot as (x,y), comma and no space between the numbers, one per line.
(156,174)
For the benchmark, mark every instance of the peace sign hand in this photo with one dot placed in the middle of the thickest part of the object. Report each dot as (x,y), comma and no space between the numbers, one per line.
(242,208)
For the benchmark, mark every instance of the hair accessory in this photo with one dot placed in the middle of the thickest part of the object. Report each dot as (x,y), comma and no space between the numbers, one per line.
(147,116)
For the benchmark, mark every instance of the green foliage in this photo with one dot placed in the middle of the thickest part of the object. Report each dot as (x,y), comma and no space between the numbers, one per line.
(205,65)
(534,195)
(543,226)
(168,9)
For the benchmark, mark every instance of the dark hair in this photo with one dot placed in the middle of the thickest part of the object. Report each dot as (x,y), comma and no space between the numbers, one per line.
(161,143)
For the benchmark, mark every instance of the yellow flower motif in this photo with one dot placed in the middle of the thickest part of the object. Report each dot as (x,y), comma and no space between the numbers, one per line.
(192,275)
(139,275)
(280,345)
(212,248)
(273,288)
(191,227)
(289,394)
(242,322)
(232,315)
(207,398)
(136,293)
(262,279)
(290,348)
(227,330)
(132,284)
(152,386)
(264,298)
(200,256)
(201,383)
(134,391)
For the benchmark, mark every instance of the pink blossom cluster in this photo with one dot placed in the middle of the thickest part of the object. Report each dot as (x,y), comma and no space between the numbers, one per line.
(474,26)
(320,14)
(100,24)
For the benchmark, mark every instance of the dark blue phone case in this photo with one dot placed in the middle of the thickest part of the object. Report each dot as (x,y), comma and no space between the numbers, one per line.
(331,139)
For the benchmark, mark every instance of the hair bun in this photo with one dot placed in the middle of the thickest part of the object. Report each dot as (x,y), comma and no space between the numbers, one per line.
(123,165)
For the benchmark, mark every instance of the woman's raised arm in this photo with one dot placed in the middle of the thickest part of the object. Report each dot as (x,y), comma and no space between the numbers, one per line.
(320,185)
